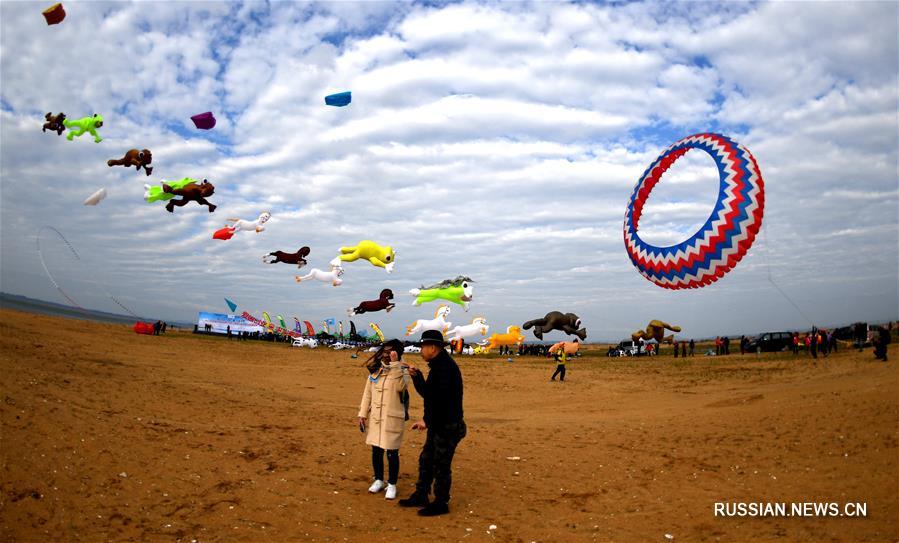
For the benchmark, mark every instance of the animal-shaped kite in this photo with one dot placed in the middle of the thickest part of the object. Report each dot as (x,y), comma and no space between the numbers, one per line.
(187,188)
(54,14)
(556,320)
(204,121)
(511,337)
(332,276)
(383,257)
(458,290)
(570,347)
(340,99)
(437,323)
(82,125)
(298,258)
(457,335)
(383,303)
(478,327)
(727,234)
(656,330)
(242,225)
(55,123)
(136,158)
(95,198)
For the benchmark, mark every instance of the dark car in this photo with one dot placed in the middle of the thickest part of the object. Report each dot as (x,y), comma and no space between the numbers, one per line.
(771,342)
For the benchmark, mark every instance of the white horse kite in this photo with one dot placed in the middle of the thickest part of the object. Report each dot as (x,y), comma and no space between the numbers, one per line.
(437,323)
(332,276)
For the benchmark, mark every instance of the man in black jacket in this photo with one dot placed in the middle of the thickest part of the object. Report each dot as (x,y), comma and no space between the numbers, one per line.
(442,394)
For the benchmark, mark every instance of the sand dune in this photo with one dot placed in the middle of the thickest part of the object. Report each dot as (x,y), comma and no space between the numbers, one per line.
(107,435)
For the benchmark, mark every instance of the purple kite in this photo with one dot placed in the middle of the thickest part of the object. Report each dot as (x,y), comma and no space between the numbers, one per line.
(204,121)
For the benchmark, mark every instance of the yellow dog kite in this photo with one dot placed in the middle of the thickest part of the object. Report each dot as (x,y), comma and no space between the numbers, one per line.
(382,257)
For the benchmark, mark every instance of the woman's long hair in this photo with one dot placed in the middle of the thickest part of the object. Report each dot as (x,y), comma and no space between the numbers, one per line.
(376,359)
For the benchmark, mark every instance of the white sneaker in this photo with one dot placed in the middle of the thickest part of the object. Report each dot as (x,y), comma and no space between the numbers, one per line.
(377,486)
(391,492)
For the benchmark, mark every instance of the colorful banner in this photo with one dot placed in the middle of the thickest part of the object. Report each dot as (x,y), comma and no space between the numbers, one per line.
(275,329)
(220,323)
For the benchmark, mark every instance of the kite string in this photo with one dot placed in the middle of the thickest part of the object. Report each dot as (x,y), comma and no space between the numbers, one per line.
(771,277)
(77,257)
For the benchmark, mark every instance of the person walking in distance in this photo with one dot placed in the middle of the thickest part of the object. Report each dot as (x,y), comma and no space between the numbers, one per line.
(692,347)
(561,358)
(443,420)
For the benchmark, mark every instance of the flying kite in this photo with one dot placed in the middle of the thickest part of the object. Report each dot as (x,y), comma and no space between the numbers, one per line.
(187,188)
(478,327)
(727,234)
(656,330)
(340,99)
(204,121)
(240,224)
(458,290)
(332,276)
(511,337)
(298,258)
(383,303)
(95,198)
(82,125)
(383,257)
(136,158)
(556,320)
(437,323)
(231,305)
(55,123)
(54,14)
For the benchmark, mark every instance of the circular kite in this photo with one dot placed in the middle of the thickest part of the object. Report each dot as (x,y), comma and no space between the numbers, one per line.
(727,234)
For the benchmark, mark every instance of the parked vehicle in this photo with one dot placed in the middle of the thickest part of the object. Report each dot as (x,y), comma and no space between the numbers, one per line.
(771,342)
(628,348)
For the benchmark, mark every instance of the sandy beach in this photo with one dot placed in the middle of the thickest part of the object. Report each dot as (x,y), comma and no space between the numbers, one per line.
(108,435)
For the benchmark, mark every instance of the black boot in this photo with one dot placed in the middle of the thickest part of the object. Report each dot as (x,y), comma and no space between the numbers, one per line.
(415,500)
(434,509)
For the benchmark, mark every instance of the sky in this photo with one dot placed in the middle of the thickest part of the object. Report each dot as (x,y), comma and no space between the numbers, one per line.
(496,141)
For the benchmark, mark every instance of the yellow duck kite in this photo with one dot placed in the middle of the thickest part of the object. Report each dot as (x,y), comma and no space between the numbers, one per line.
(382,257)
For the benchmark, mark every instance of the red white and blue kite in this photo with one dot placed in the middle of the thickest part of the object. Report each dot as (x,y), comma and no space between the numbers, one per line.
(727,234)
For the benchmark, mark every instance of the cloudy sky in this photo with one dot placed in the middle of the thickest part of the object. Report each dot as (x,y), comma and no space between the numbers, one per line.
(498,141)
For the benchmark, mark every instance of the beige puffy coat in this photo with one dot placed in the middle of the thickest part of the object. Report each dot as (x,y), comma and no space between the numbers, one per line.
(382,406)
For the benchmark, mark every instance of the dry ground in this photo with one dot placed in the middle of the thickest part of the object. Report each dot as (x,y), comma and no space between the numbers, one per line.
(107,435)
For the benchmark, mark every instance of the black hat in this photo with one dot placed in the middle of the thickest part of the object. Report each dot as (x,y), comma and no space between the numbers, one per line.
(433,336)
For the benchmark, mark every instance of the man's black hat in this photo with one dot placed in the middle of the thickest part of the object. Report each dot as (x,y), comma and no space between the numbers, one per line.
(433,336)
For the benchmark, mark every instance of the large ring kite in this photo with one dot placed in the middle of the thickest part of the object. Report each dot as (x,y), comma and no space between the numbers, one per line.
(727,234)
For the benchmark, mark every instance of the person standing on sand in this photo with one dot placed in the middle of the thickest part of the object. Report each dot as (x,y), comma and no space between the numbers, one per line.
(692,347)
(443,420)
(561,358)
(683,349)
(675,348)
(383,410)
(717,346)
(881,341)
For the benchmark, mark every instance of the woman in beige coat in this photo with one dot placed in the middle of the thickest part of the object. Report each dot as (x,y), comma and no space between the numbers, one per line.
(383,411)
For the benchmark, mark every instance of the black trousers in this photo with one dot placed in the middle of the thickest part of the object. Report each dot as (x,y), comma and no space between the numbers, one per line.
(393,464)
(560,369)
(436,459)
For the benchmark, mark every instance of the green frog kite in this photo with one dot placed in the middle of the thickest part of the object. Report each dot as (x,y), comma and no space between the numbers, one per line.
(458,290)
(85,124)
